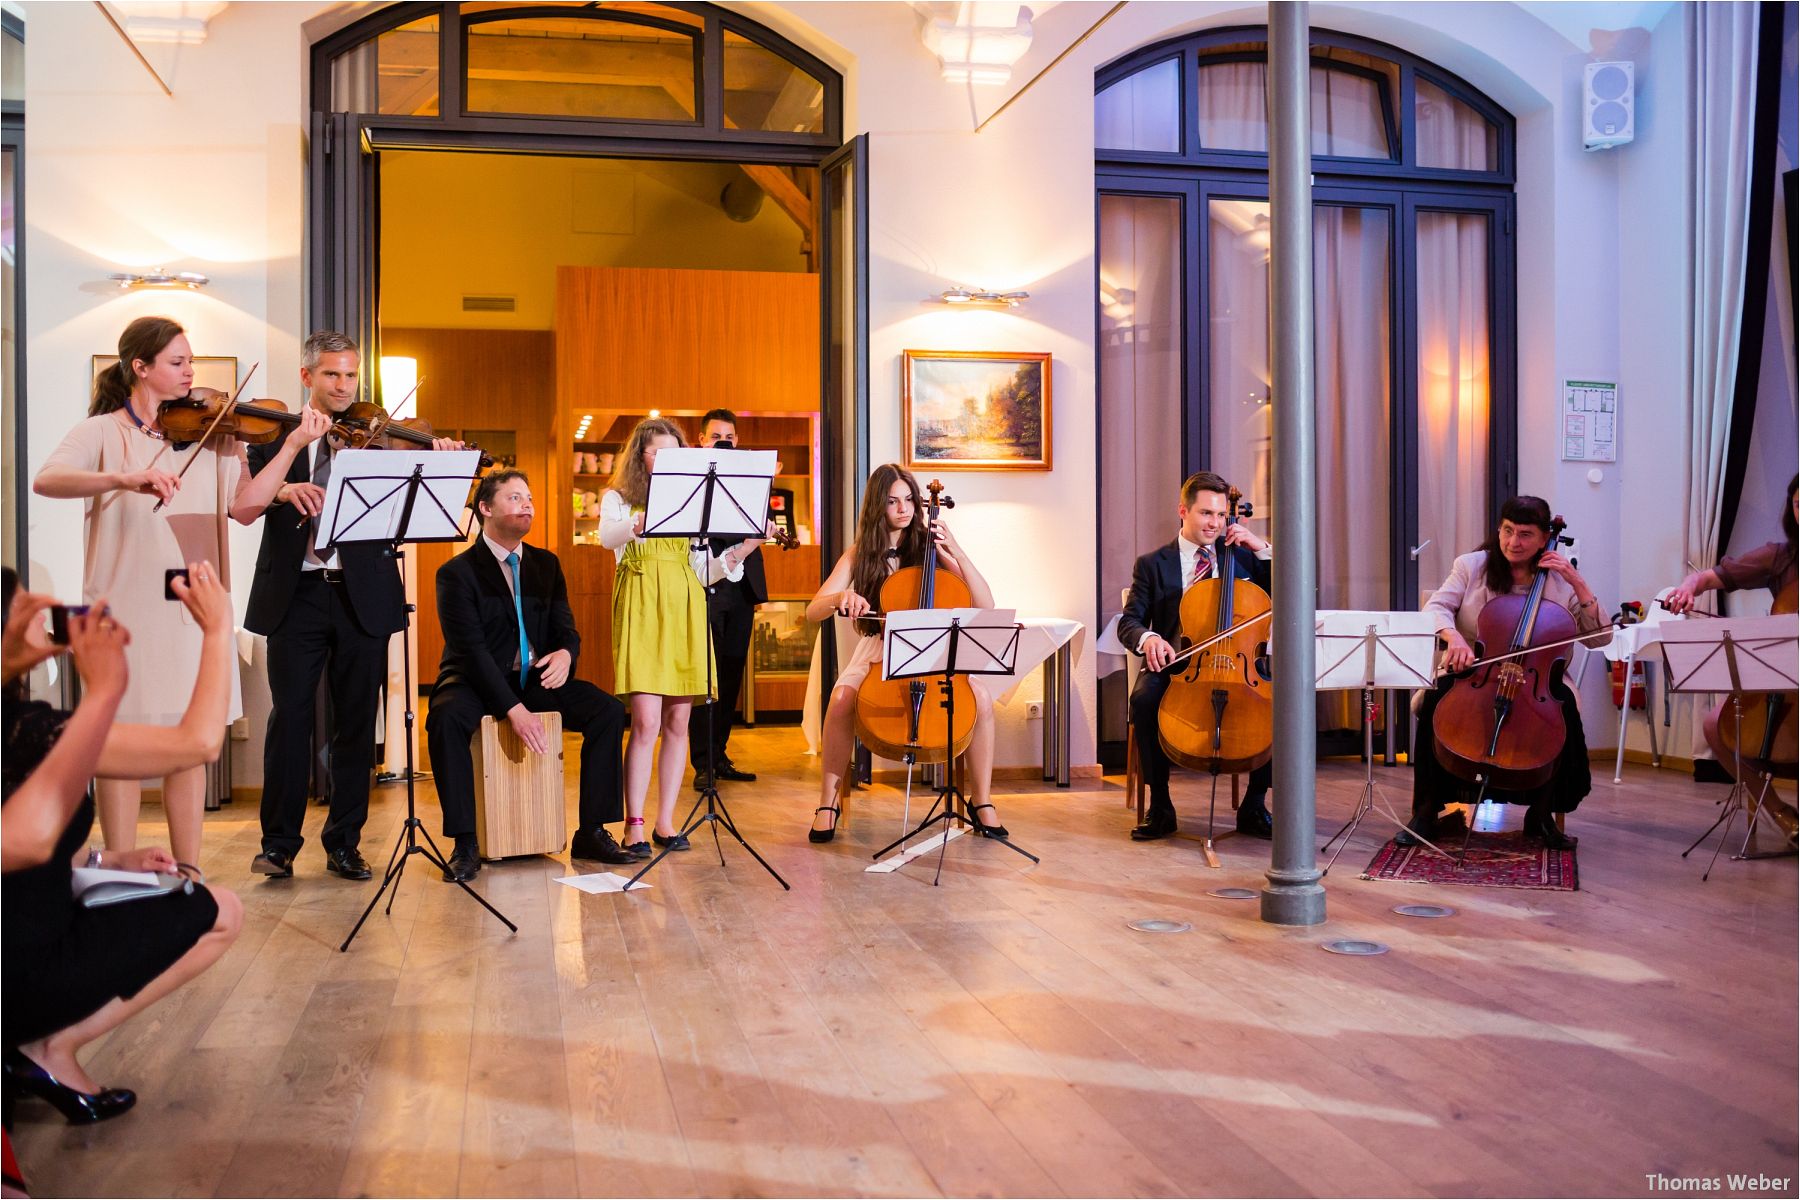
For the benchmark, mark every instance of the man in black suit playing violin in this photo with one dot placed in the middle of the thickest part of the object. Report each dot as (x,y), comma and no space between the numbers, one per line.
(329,615)
(509,652)
(1151,627)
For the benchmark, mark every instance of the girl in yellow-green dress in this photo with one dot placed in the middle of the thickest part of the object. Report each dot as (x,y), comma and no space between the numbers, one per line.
(659,632)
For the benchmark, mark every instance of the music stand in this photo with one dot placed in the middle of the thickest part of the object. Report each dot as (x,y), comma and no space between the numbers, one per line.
(946,642)
(703,493)
(1734,654)
(1367,651)
(396,497)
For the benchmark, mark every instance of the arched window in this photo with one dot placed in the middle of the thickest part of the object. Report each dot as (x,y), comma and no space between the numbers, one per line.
(673,71)
(1414,304)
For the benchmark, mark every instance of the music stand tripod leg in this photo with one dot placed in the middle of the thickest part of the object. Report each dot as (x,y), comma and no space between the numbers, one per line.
(1367,800)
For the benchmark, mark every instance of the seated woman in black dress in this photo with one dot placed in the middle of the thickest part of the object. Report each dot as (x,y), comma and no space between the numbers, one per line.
(73,973)
(1506,563)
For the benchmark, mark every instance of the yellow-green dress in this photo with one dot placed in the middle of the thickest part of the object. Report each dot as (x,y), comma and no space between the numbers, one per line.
(659,621)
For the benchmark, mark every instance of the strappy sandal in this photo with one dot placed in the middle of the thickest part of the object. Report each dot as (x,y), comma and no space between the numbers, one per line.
(980,830)
(820,836)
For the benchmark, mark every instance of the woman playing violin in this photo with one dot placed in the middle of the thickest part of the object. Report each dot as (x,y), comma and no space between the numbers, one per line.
(1771,565)
(890,534)
(1507,562)
(120,463)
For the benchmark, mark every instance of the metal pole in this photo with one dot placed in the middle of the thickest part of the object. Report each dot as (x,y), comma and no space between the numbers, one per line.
(1294,895)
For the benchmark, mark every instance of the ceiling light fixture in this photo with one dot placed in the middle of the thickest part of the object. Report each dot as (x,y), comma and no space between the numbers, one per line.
(160,277)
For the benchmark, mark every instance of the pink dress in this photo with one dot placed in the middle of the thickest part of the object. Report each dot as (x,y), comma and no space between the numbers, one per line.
(129,548)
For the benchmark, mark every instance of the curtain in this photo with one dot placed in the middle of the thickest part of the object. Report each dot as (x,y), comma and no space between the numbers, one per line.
(1346,111)
(1724,37)
(1448,133)
(1140,382)
(1455,358)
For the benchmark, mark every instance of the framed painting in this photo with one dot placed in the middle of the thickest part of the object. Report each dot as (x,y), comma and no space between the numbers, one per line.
(976,410)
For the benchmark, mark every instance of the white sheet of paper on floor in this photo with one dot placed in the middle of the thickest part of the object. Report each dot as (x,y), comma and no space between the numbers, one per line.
(598,882)
(911,852)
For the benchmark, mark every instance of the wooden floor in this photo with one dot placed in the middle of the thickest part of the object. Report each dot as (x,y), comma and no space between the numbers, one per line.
(1003,1034)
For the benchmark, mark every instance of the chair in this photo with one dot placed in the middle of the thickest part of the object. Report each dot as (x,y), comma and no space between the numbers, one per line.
(518,795)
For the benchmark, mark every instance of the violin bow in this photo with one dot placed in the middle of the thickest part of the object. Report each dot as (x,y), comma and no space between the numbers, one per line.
(1216,638)
(223,409)
(1614,624)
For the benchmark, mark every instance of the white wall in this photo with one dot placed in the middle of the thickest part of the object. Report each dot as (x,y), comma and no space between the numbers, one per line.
(212,180)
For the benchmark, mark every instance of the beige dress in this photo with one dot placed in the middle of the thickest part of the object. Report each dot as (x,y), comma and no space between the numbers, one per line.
(129,548)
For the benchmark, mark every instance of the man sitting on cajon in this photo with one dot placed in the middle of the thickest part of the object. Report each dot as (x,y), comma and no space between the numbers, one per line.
(509,653)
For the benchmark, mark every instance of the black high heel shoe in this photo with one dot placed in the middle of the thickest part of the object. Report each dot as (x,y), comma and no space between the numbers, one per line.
(820,836)
(980,830)
(78,1108)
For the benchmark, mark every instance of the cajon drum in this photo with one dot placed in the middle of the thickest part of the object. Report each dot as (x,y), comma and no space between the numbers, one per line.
(518,794)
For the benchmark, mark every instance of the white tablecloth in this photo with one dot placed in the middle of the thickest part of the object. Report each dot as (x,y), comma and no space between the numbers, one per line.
(1038,640)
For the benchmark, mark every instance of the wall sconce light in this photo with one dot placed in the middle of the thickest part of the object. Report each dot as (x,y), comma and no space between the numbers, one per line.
(161,278)
(398,378)
(967,296)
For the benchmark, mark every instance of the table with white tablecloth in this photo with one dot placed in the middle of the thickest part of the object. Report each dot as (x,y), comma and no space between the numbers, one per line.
(1052,642)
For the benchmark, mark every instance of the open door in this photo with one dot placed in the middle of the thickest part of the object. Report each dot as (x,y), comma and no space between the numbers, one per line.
(844,398)
(342,225)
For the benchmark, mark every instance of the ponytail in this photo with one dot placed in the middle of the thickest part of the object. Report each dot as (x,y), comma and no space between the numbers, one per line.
(142,341)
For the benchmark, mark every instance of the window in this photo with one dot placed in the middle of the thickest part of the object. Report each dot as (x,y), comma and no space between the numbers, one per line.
(1414,307)
(688,72)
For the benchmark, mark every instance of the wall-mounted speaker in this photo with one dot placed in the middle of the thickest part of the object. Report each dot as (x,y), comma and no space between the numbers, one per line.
(1608,108)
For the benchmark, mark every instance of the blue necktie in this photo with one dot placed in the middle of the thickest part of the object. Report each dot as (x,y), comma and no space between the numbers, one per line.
(512,564)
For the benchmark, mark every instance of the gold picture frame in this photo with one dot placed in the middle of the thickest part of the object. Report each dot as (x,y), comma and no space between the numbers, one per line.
(975,410)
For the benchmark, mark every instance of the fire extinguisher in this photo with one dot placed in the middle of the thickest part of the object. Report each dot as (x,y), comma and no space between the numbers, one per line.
(1638,699)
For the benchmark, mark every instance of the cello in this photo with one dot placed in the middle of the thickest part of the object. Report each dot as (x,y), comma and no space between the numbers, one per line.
(1217,715)
(892,718)
(1497,723)
(1757,729)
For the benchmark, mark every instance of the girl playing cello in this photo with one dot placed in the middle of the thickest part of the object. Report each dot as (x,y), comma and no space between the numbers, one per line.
(890,534)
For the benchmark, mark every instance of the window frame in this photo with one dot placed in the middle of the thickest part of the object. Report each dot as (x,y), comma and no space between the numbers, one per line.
(634,137)
(1196,50)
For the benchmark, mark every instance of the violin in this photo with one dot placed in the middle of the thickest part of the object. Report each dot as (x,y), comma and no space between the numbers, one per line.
(1757,729)
(891,716)
(1217,715)
(1497,723)
(205,412)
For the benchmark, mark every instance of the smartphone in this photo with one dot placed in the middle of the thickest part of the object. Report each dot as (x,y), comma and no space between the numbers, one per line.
(59,621)
(169,578)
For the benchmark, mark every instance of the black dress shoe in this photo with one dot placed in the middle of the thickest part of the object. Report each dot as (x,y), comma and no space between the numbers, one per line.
(728,771)
(78,1108)
(464,865)
(678,842)
(703,779)
(1153,829)
(274,863)
(1253,820)
(348,863)
(598,845)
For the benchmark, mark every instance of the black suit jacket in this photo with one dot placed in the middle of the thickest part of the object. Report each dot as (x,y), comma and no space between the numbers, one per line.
(1154,604)
(752,589)
(371,573)
(481,632)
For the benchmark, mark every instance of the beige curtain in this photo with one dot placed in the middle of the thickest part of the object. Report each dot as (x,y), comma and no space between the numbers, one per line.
(1455,387)
(1723,87)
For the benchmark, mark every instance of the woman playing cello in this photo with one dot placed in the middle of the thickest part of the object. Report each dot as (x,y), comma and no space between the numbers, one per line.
(1507,563)
(891,534)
